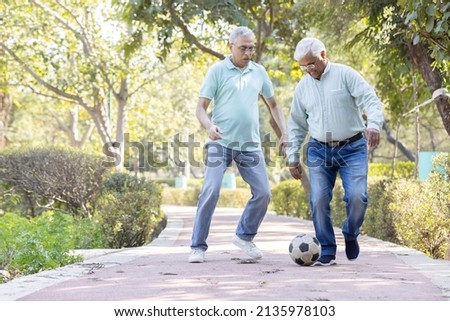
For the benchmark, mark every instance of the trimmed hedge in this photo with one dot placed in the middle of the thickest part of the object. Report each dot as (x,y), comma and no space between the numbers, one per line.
(58,199)
(402,170)
(289,198)
(35,180)
(130,210)
(189,196)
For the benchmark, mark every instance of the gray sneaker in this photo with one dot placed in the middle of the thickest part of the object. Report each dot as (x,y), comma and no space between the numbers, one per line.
(248,247)
(197,256)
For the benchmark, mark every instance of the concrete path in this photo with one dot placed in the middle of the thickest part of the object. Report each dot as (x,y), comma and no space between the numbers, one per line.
(160,271)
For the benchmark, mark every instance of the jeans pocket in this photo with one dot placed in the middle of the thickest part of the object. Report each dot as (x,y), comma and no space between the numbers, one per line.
(358,144)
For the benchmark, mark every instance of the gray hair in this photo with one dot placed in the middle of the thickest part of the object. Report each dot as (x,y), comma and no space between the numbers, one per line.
(308,45)
(240,32)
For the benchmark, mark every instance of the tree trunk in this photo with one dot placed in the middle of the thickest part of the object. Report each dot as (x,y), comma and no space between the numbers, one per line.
(422,61)
(122,99)
(402,147)
(101,120)
(5,107)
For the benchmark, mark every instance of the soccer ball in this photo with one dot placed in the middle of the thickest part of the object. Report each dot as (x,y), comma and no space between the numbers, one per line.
(304,249)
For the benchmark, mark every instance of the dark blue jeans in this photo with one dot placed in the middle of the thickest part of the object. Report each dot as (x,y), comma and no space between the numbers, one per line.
(324,163)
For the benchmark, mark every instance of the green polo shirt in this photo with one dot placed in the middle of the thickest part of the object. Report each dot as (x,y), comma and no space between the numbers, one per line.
(234,95)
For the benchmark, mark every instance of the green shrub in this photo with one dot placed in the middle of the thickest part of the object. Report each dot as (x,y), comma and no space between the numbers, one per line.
(289,198)
(42,243)
(337,204)
(129,219)
(189,196)
(45,178)
(402,169)
(123,183)
(422,215)
(234,198)
(87,234)
(166,181)
(240,183)
(378,221)
(129,210)
(195,182)
(180,196)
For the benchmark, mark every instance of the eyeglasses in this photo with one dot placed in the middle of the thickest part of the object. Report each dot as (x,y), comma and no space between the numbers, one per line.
(244,49)
(308,66)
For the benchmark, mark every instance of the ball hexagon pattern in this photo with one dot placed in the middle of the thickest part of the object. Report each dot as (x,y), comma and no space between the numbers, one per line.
(304,249)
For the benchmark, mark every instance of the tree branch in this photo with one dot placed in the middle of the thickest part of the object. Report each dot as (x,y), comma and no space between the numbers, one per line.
(87,48)
(84,36)
(190,37)
(84,40)
(50,87)
(150,80)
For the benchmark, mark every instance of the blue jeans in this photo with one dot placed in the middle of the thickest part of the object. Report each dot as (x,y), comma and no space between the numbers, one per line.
(252,168)
(324,163)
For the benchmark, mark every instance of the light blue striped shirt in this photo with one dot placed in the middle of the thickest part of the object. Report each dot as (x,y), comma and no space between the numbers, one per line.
(331,108)
(235,96)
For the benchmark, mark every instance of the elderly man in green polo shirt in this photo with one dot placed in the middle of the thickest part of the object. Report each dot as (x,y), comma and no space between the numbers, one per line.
(234,85)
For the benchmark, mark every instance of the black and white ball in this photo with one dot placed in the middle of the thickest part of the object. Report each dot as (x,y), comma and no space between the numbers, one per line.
(304,249)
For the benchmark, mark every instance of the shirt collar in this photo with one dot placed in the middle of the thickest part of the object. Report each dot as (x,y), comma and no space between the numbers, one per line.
(327,68)
(230,64)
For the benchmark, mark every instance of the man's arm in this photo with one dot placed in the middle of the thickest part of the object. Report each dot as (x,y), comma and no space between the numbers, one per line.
(214,132)
(298,129)
(278,116)
(367,100)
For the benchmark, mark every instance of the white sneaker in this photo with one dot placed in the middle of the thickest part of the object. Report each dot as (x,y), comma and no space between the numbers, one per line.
(197,256)
(248,247)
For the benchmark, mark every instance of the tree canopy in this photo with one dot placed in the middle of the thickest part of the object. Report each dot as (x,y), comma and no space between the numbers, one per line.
(126,67)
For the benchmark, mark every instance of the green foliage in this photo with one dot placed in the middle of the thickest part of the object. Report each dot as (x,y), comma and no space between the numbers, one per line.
(337,205)
(123,183)
(170,181)
(189,196)
(87,233)
(430,22)
(378,221)
(180,196)
(29,246)
(42,178)
(422,215)
(289,198)
(240,183)
(402,169)
(236,198)
(127,214)
(129,210)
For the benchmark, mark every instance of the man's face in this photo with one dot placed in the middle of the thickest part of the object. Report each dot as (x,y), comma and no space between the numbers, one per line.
(314,65)
(242,50)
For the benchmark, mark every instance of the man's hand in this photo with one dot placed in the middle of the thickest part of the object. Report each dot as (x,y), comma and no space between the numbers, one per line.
(214,132)
(296,170)
(283,144)
(373,137)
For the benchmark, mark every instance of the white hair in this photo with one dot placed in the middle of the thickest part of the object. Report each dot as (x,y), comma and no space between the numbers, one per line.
(240,32)
(308,46)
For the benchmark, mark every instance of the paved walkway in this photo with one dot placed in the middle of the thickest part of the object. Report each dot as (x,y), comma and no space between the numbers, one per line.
(160,272)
